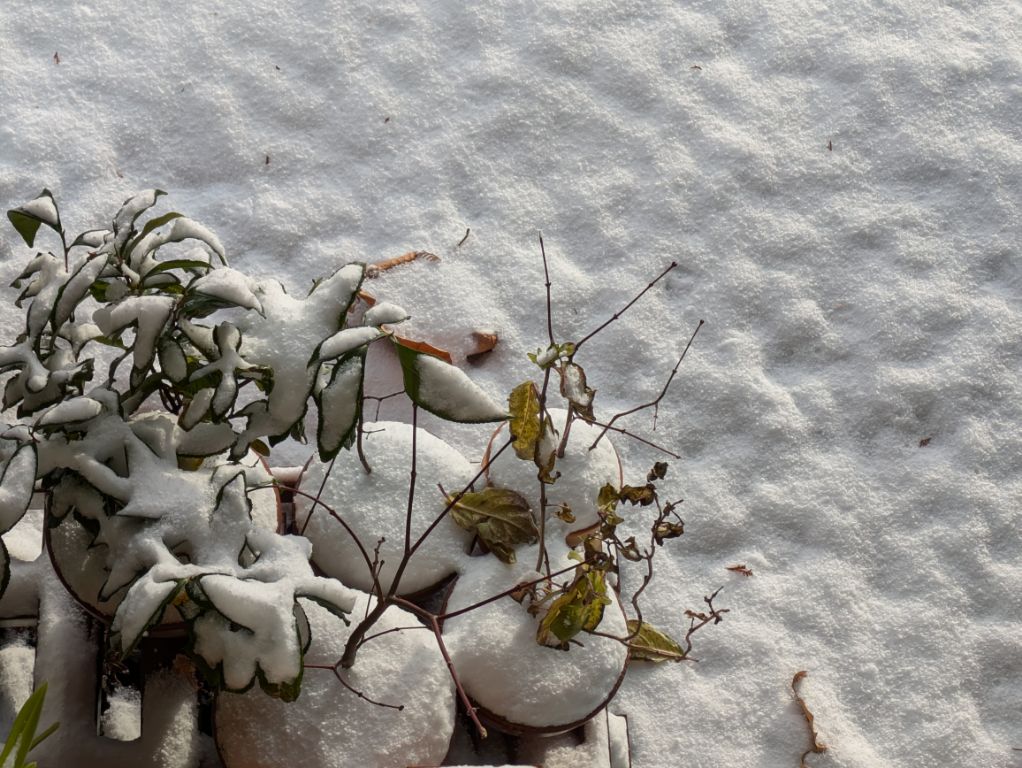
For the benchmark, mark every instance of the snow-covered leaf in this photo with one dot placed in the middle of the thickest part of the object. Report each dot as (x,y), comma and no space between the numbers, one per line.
(29,217)
(230,286)
(338,402)
(444,389)
(345,341)
(76,288)
(141,608)
(149,314)
(17,479)
(73,411)
(384,313)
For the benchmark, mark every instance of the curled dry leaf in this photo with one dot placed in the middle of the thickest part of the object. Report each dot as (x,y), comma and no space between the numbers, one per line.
(638,494)
(422,346)
(741,568)
(374,270)
(484,343)
(815,745)
(658,472)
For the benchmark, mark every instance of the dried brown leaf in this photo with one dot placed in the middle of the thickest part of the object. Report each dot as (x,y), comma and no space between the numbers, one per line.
(742,569)
(815,745)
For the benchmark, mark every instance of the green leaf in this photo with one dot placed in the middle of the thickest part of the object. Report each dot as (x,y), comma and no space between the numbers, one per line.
(444,389)
(339,403)
(152,224)
(526,425)
(579,609)
(29,217)
(651,644)
(500,517)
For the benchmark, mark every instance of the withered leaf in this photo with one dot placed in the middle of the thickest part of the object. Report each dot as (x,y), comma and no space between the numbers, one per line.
(575,390)
(607,501)
(564,513)
(659,472)
(635,494)
(667,530)
(651,644)
(815,745)
(484,344)
(579,609)
(630,550)
(525,424)
(741,568)
(500,517)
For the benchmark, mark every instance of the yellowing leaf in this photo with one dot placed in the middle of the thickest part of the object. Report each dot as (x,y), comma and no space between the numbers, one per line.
(651,644)
(579,609)
(526,425)
(500,517)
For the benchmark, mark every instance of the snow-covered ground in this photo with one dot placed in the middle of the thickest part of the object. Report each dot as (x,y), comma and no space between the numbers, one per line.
(840,185)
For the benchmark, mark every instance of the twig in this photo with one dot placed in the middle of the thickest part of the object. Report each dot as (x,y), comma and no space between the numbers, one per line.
(435,626)
(634,436)
(379,400)
(656,401)
(815,746)
(549,308)
(624,309)
(505,593)
(716,615)
(461,242)
(333,513)
(319,494)
(340,678)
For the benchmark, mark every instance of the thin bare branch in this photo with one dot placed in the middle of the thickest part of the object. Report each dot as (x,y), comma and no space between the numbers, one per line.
(346,684)
(655,401)
(624,309)
(435,626)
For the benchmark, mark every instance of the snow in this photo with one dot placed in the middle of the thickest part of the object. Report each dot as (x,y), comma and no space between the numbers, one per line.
(532,685)
(384,313)
(374,506)
(838,184)
(328,726)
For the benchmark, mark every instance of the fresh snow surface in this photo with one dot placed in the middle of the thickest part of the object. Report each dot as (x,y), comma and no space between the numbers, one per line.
(839,184)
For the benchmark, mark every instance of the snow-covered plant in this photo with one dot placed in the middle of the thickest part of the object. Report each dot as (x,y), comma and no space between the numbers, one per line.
(151,379)
(147,380)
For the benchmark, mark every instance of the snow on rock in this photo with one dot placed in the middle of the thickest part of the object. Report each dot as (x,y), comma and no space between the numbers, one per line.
(331,727)
(374,506)
(583,473)
(505,670)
